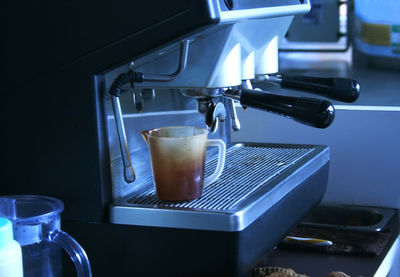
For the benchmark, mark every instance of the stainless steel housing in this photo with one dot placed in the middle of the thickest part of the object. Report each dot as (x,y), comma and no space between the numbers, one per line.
(255,178)
(259,181)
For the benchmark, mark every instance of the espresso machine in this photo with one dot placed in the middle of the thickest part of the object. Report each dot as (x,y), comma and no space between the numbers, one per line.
(84,79)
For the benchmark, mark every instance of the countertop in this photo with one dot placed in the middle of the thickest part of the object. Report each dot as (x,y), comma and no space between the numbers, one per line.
(317,264)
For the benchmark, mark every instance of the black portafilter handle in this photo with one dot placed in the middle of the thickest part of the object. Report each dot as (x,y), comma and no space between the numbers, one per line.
(317,113)
(342,89)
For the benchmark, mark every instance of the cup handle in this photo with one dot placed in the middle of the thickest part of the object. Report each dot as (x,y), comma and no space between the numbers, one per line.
(74,250)
(221,160)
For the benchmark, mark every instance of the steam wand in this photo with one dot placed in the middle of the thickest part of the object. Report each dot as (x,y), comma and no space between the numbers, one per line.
(138,77)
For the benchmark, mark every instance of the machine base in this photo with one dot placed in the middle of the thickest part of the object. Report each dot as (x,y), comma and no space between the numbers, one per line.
(126,250)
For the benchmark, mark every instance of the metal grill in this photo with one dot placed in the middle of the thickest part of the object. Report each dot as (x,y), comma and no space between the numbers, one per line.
(247,169)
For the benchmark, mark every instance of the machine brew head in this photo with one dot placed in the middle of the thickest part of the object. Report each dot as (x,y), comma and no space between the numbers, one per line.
(218,63)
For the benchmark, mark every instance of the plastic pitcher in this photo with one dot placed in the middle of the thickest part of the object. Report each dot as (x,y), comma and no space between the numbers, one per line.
(178,160)
(36,226)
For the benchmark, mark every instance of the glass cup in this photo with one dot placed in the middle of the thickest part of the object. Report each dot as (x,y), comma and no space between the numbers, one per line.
(36,227)
(178,157)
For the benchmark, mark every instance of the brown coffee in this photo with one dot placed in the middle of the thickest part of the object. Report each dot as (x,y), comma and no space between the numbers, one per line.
(179,175)
(178,160)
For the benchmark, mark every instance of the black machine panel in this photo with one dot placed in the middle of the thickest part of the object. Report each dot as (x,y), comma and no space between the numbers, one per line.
(53,128)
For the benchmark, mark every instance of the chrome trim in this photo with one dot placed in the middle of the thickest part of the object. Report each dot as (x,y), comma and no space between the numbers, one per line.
(184,49)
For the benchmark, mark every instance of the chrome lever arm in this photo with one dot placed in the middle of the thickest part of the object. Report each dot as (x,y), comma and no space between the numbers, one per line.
(184,49)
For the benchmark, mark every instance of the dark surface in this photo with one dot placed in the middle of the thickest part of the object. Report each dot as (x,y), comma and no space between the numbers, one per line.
(348,217)
(346,242)
(122,250)
(53,126)
(316,263)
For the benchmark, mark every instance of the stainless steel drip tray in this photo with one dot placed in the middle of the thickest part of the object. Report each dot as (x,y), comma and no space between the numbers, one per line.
(255,177)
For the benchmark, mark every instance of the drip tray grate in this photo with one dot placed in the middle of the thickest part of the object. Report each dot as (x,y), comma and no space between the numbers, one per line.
(247,169)
(255,177)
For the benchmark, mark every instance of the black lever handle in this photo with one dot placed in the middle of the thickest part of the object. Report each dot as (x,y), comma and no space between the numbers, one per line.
(342,89)
(313,112)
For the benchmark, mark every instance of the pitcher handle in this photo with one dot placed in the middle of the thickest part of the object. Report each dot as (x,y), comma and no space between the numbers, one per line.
(221,160)
(74,250)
